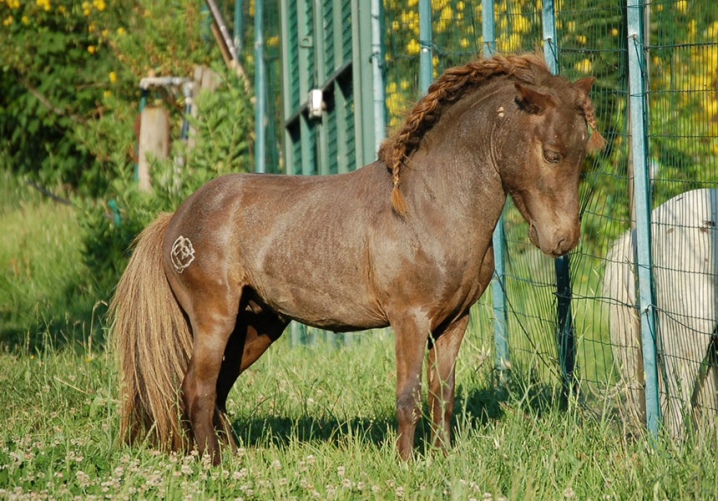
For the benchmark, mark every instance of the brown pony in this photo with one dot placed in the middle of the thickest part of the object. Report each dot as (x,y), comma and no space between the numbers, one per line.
(403,242)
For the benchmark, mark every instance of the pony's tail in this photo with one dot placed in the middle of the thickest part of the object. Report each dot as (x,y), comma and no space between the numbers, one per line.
(153,343)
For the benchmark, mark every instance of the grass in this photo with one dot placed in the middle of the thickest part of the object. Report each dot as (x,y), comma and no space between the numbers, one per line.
(41,270)
(314,422)
(319,422)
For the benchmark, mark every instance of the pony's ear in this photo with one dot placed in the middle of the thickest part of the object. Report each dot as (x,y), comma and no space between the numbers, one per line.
(584,84)
(532,100)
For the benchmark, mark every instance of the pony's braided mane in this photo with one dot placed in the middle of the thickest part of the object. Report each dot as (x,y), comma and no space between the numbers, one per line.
(450,87)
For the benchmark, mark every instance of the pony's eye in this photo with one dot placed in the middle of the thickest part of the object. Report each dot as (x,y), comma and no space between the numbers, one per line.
(552,157)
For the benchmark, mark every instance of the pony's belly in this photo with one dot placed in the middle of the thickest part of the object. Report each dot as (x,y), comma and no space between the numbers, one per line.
(331,310)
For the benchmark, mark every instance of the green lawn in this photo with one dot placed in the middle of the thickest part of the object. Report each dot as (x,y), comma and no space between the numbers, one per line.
(319,422)
(313,422)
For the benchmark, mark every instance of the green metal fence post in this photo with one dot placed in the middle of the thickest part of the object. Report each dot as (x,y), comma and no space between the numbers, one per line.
(488,28)
(566,336)
(238,25)
(550,46)
(260,87)
(378,84)
(642,201)
(426,70)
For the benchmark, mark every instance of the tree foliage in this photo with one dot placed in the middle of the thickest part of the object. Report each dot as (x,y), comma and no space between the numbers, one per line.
(70,98)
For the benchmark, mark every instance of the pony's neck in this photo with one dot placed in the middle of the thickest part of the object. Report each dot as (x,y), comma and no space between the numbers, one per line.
(457,155)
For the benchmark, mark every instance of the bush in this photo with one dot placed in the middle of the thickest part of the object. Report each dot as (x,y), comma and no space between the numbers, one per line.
(69,74)
(221,146)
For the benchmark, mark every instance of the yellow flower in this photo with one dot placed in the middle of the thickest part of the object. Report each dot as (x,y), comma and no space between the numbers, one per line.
(413,47)
(273,41)
(25,20)
(712,108)
(45,4)
(121,32)
(91,49)
(99,4)
(113,77)
(584,66)
(581,39)
(713,30)
(682,6)
(514,42)
(614,32)
(13,4)
(8,21)
(107,93)
(464,43)
(522,24)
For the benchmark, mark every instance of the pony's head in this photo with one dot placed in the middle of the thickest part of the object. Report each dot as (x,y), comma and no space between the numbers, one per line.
(540,156)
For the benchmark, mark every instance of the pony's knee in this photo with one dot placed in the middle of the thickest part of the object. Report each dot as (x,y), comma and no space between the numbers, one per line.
(407,407)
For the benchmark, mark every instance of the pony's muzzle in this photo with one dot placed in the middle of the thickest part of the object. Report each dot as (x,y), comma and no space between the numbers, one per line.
(558,244)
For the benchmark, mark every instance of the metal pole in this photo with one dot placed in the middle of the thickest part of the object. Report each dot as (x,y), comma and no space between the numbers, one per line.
(642,198)
(566,335)
(260,86)
(488,25)
(238,25)
(550,48)
(377,55)
(223,31)
(426,70)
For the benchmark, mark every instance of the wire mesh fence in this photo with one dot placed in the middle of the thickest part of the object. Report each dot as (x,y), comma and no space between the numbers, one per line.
(679,56)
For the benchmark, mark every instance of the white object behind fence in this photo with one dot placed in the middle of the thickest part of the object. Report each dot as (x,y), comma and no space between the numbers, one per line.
(685,262)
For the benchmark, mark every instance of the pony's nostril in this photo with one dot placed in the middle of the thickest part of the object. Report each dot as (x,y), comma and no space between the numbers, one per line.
(562,247)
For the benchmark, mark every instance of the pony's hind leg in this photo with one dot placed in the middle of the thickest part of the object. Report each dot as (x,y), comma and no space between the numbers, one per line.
(255,330)
(442,362)
(213,321)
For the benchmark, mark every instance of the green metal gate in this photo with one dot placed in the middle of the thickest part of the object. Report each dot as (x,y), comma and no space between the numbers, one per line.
(327,53)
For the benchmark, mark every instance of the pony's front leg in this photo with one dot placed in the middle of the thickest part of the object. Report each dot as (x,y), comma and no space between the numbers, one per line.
(412,333)
(199,388)
(442,362)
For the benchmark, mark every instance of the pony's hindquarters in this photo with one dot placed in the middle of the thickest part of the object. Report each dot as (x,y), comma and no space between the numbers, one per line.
(153,343)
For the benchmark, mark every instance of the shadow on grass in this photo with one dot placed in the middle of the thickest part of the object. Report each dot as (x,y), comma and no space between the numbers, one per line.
(477,407)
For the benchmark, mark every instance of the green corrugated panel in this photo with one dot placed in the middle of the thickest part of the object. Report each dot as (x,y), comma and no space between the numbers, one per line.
(350,135)
(310,163)
(332,137)
(292,40)
(346,11)
(328,34)
(296,148)
(309,33)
